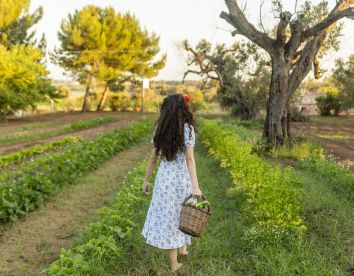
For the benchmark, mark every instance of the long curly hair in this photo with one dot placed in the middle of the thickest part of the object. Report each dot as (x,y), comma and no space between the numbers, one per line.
(169,127)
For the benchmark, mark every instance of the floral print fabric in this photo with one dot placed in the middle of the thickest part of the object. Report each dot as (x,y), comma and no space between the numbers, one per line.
(172,185)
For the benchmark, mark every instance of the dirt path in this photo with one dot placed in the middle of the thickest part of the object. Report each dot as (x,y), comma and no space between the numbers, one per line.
(35,241)
(337,138)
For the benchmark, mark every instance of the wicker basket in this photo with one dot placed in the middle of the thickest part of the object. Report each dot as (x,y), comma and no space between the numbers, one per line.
(193,219)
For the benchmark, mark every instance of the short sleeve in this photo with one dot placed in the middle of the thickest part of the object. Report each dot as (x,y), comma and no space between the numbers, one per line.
(189,135)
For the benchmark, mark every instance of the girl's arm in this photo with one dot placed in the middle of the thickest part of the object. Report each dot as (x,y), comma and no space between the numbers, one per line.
(192,171)
(151,165)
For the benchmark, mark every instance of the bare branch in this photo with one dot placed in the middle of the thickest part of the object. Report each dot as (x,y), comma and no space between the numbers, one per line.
(295,6)
(260,16)
(191,72)
(295,40)
(237,18)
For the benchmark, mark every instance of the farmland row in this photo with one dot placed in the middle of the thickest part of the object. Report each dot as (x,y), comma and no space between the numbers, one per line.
(32,183)
(235,241)
(21,155)
(15,137)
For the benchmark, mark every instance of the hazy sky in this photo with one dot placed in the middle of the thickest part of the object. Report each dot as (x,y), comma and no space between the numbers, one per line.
(175,21)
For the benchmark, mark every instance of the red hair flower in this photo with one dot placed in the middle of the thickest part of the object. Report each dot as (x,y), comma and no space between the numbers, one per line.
(187,98)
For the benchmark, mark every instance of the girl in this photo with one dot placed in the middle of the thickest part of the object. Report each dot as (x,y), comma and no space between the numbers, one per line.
(176,177)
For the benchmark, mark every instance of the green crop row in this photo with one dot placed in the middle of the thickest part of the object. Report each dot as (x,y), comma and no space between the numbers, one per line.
(28,187)
(338,178)
(272,192)
(89,123)
(103,241)
(75,126)
(18,156)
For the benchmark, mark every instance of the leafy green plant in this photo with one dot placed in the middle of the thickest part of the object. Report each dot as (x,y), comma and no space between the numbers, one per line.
(89,123)
(31,184)
(204,204)
(16,157)
(272,192)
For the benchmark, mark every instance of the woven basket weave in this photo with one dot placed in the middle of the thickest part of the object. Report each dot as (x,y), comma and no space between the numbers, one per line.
(193,219)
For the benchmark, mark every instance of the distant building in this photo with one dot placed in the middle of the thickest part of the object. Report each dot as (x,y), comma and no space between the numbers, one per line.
(308,103)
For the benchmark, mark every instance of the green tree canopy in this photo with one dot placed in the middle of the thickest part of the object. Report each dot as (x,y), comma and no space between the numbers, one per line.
(344,76)
(242,71)
(11,9)
(23,79)
(18,31)
(106,46)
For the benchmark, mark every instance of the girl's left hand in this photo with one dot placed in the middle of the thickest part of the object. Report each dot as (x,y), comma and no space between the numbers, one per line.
(145,187)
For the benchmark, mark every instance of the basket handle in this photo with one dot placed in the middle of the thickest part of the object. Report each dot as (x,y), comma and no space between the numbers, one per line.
(191,195)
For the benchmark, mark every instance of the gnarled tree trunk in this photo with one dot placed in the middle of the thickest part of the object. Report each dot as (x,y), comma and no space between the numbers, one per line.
(292,57)
(275,132)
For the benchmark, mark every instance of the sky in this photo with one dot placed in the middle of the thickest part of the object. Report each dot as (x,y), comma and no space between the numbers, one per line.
(175,21)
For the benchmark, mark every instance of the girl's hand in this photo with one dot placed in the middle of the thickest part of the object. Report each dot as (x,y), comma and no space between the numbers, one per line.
(145,187)
(196,192)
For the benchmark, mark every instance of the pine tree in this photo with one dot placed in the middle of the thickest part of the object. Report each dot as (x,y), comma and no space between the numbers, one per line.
(105,47)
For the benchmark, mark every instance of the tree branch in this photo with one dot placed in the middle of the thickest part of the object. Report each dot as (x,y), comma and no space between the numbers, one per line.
(303,66)
(260,16)
(295,40)
(193,72)
(330,19)
(284,22)
(237,19)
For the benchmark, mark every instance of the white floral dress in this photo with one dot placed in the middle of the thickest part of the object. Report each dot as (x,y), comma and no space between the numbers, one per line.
(172,185)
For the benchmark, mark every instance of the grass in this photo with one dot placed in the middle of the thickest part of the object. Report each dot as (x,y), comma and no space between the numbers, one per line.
(340,120)
(340,137)
(33,126)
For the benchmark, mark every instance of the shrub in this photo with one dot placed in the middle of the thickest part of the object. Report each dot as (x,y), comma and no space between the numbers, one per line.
(327,104)
(296,115)
(120,101)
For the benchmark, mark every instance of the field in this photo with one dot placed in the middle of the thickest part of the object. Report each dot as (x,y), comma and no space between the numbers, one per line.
(71,202)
